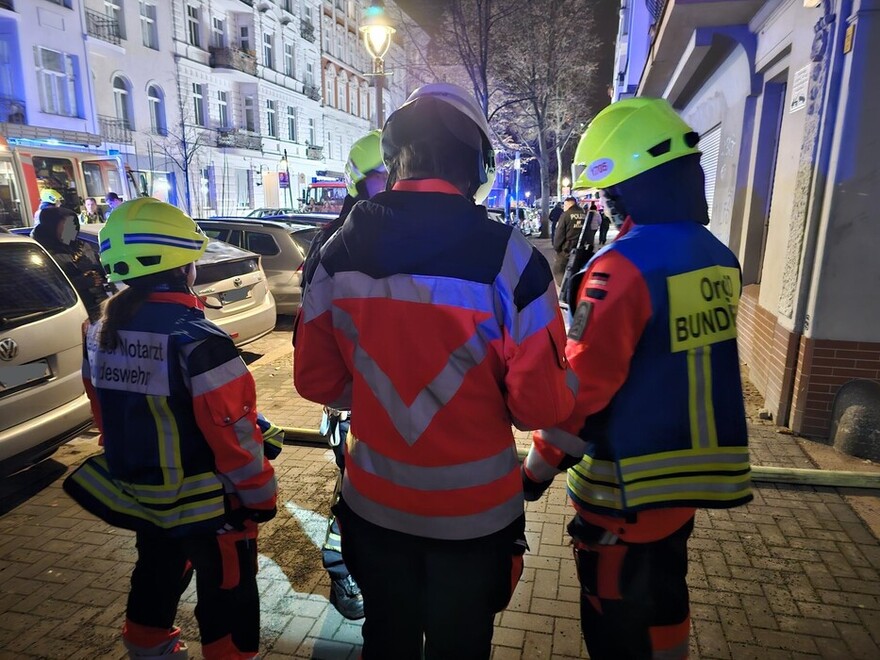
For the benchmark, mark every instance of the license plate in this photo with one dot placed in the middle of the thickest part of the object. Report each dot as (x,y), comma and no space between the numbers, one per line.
(235,295)
(22,375)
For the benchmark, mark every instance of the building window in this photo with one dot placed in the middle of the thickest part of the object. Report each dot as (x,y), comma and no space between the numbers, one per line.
(310,74)
(291,123)
(340,88)
(311,140)
(113,11)
(192,26)
(244,38)
(288,60)
(223,109)
(56,78)
(328,93)
(149,32)
(267,51)
(329,146)
(218,32)
(122,101)
(250,119)
(156,101)
(61,3)
(307,13)
(198,99)
(352,100)
(287,5)
(271,125)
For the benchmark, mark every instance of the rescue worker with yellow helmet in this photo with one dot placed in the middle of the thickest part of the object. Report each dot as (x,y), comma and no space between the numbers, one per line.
(183,463)
(659,426)
(48,197)
(365,176)
(437,327)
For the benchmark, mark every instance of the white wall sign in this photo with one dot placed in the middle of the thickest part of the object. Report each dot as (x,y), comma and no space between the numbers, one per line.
(799,88)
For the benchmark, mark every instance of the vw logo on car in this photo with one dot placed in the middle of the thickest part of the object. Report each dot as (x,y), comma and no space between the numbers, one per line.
(8,349)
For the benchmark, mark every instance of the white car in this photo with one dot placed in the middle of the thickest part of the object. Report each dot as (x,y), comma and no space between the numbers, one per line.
(42,401)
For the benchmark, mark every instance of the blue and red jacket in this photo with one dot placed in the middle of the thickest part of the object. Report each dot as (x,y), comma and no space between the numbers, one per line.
(438,328)
(659,421)
(176,407)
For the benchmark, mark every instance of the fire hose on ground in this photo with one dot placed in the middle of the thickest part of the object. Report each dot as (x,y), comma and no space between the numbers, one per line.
(761,473)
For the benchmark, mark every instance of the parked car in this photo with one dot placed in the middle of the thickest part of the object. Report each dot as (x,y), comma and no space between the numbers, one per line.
(282,244)
(42,401)
(267,211)
(232,284)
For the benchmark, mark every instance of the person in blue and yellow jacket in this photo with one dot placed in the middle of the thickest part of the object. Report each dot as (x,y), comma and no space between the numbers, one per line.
(439,329)
(659,425)
(183,463)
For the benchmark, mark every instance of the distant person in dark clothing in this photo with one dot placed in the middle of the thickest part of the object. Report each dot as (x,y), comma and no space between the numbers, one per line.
(593,224)
(604,225)
(57,232)
(565,240)
(555,214)
(113,200)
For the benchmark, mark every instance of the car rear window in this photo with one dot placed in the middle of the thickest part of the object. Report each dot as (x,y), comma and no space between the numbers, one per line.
(304,238)
(31,286)
(222,270)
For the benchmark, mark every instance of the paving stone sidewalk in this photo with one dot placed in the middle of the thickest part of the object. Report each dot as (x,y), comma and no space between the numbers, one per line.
(794,574)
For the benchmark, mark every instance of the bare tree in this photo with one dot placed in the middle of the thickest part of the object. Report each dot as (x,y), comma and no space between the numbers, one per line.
(544,76)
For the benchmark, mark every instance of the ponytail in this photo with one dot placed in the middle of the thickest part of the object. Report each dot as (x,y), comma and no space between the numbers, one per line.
(121,308)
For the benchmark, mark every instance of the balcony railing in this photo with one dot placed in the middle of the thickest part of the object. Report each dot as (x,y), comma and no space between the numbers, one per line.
(12,111)
(312,91)
(233,58)
(7,4)
(115,130)
(314,152)
(307,30)
(102,27)
(238,139)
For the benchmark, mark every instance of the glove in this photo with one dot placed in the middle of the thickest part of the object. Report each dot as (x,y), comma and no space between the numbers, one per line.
(532,490)
(236,518)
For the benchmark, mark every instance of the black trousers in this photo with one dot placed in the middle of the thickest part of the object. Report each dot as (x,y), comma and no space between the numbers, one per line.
(331,552)
(228,609)
(427,598)
(634,596)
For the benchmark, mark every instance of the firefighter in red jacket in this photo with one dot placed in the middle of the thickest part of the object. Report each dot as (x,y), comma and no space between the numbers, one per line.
(659,426)
(438,328)
(183,463)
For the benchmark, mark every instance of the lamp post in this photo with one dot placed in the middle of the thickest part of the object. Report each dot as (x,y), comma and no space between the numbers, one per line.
(284,182)
(559,150)
(377,31)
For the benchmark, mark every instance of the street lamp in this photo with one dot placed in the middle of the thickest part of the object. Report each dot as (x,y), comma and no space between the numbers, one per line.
(377,31)
(284,178)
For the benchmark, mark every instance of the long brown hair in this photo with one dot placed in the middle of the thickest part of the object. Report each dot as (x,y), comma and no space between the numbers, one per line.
(121,308)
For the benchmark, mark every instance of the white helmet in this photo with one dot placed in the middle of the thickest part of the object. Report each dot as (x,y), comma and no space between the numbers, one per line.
(465,104)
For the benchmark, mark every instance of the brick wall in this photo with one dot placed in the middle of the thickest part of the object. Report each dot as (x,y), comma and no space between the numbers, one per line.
(769,351)
(823,366)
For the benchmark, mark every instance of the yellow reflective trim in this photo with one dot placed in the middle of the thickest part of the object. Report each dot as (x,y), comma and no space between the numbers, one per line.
(607,496)
(690,496)
(683,481)
(172,496)
(650,458)
(175,434)
(692,398)
(707,388)
(693,467)
(152,516)
(160,434)
(187,480)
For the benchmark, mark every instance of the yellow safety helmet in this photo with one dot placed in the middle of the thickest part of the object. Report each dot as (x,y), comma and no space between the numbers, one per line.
(364,158)
(145,236)
(50,196)
(628,138)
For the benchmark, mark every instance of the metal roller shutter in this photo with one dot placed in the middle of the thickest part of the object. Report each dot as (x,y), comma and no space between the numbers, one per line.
(710,145)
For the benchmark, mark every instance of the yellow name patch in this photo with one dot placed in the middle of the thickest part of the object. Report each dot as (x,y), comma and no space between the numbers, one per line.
(702,307)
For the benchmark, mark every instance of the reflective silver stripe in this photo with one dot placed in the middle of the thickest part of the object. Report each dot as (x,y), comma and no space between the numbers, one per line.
(567,442)
(572,381)
(411,421)
(217,377)
(264,493)
(606,470)
(320,294)
(436,527)
(244,431)
(534,317)
(674,653)
(736,459)
(447,477)
(700,384)
(428,289)
(540,469)
(516,258)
